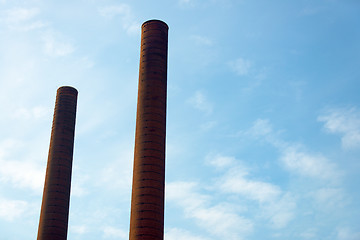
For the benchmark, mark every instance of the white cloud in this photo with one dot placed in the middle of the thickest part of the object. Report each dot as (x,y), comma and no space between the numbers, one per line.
(6,146)
(200,102)
(220,220)
(16,15)
(185,191)
(112,232)
(294,157)
(78,229)
(308,164)
(235,181)
(223,221)
(129,24)
(37,112)
(263,131)
(220,161)
(261,127)
(122,166)
(241,66)
(22,19)
(57,45)
(330,198)
(345,122)
(12,209)
(22,174)
(274,205)
(78,181)
(30,26)
(281,211)
(181,234)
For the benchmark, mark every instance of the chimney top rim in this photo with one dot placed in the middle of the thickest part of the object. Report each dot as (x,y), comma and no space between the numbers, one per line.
(154,21)
(68,88)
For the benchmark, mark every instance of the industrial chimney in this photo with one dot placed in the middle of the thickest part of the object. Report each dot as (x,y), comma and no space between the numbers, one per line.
(53,222)
(147,203)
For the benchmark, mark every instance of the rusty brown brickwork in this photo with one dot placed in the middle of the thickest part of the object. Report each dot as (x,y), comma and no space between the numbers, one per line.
(53,222)
(147,203)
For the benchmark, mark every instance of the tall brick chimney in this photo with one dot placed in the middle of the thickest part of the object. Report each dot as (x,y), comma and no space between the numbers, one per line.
(53,222)
(147,203)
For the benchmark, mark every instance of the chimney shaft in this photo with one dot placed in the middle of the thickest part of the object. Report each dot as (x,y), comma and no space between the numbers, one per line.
(147,203)
(53,222)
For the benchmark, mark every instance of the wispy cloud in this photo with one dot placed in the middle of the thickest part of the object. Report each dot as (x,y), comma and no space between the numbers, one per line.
(124,11)
(244,68)
(325,193)
(108,176)
(57,45)
(220,161)
(261,127)
(281,211)
(113,232)
(295,157)
(275,206)
(22,174)
(20,14)
(236,181)
(241,66)
(328,198)
(79,229)
(309,164)
(78,184)
(37,112)
(21,19)
(12,209)
(220,219)
(345,122)
(186,190)
(200,102)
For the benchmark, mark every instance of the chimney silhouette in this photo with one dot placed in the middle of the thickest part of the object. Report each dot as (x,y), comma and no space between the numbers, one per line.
(53,222)
(147,202)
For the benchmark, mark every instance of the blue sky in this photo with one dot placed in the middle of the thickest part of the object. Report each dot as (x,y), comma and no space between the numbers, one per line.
(263,132)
